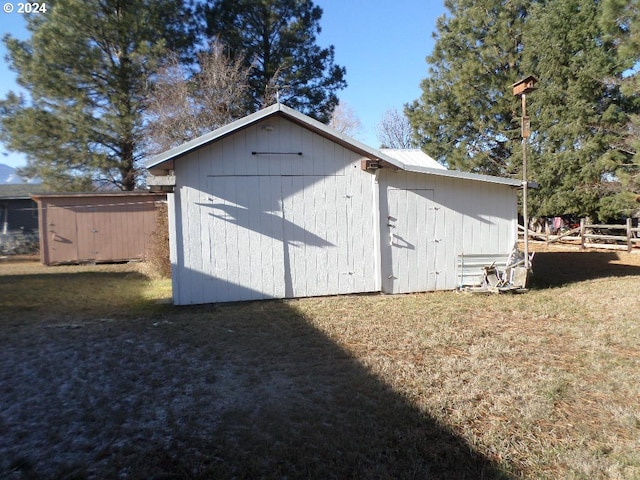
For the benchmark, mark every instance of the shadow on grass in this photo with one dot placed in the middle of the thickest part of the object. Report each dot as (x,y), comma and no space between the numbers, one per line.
(247,391)
(551,269)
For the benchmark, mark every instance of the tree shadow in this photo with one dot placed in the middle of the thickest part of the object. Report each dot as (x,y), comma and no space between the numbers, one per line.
(249,391)
(552,269)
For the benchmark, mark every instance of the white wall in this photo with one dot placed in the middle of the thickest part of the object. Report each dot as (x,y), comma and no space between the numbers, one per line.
(453,216)
(282,225)
(272,225)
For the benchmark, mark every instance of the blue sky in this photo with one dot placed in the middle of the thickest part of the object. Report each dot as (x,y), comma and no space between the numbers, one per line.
(382,45)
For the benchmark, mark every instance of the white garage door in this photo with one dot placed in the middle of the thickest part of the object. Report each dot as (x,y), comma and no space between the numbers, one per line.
(279,237)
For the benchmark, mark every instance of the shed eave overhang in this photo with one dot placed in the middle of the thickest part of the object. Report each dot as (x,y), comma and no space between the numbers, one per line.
(464,175)
(163,163)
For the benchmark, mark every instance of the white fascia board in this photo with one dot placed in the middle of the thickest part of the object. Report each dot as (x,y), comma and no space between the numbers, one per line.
(210,137)
(465,175)
(326,131)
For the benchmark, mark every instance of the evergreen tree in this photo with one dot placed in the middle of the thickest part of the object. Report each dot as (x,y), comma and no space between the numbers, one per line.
(466,117)
(579,112)
(277,38)
(621,23)
(87,68)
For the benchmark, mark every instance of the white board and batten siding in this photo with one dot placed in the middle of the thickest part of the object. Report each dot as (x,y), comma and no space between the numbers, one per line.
(276,205)
(272,211)
(428,220)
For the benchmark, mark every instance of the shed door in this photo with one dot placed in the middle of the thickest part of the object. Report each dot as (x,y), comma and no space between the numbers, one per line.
(412,241)
(87,233)
(62,237)
(279,236)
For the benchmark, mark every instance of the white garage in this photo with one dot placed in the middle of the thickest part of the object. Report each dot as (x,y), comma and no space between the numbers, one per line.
(278,205)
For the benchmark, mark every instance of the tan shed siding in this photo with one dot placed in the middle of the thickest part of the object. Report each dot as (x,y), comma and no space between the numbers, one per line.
(272,225)
(109,236)
(84,232)
(43,233)
(96,228)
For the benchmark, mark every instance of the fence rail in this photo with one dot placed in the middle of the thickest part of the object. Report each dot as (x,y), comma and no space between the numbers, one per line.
(593,235)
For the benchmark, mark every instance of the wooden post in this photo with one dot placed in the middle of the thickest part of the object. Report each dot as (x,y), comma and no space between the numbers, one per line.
(629,234)
(521,88)
(525,186)
(582,233)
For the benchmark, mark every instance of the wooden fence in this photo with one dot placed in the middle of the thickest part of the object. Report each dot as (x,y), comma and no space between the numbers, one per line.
(593,235)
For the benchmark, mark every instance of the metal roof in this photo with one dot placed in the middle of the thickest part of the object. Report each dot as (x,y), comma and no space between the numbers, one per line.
(404,159)
(412,157)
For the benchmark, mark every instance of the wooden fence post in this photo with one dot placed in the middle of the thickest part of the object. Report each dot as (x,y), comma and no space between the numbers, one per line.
(582,233)
(629,234)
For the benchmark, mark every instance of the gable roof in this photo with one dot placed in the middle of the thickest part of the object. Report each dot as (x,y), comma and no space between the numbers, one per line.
(402,159)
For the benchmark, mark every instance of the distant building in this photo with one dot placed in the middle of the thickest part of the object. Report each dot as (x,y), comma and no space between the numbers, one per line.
(96,227)
(18,218)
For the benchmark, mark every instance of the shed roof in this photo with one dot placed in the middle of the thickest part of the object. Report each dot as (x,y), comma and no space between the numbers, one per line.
(135,193)
(20,191)
(412,157)
(404,159)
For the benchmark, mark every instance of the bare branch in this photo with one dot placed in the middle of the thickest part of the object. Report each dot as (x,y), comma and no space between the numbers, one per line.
(345,121)
(394,130)
(182,107)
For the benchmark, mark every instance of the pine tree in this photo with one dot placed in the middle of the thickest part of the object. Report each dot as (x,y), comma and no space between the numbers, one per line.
(580,110)
(277,38)
(466,117)
(87,67)
(621,23)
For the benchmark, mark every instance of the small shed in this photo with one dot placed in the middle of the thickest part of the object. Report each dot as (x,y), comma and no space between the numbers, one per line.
(278,205)
(96,227)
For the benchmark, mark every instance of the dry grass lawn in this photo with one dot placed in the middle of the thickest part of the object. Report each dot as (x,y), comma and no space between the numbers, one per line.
(101,378)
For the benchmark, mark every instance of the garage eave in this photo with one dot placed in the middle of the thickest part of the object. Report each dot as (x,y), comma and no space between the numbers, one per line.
(163,164)
(465,175)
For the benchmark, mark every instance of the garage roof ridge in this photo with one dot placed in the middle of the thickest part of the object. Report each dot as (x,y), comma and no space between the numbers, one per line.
(322,129)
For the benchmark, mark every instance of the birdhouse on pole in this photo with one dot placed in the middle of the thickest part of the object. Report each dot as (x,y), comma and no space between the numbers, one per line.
(521,88)
(526,85)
